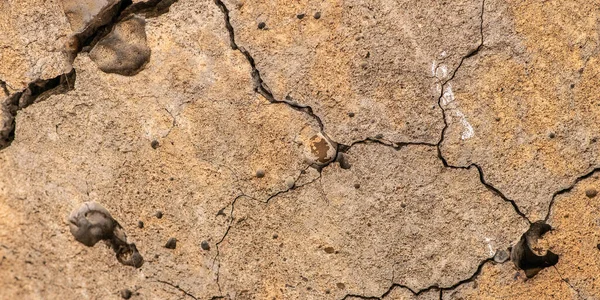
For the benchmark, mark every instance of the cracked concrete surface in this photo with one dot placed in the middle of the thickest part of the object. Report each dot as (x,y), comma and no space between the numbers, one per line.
(305,150)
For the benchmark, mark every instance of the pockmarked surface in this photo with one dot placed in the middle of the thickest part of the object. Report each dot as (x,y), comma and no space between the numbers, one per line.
(232,149)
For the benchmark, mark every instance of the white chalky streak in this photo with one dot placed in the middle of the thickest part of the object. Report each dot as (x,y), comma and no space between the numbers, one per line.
(448,102)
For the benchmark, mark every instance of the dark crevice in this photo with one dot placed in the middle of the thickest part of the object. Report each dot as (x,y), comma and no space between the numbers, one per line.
(35,92)
(523,254)
(4,88)
(396,145)
(179,288)
(40,90)
(568,189)
(259,85)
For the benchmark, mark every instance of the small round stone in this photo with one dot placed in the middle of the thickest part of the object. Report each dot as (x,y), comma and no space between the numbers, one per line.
(379,136)
(598,246)
(159,214)
(591,193)
(126,294)
(262,25)
(572,85)
(351,114)
(171,243)
(275,235)
(340,285)
(501,256)
(290,182)
(497,119)
(551,135)
(140,224)
(329,250)
(204,245)
(343,161)
(300,16)
(317,15)
(260,173)
(154,144)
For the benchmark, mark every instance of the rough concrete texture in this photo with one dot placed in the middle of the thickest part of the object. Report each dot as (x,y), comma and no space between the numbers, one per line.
(376,59)
(305,150)
(402,225)
(529,99)
(575,238)
(33,34)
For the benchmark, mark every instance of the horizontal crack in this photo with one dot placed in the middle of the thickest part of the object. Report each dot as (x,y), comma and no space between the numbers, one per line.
(429,288)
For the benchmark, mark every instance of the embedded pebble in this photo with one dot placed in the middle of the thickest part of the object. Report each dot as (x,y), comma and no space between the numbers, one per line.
(126,294)
(300,16)
(171,243)
(351,114)
(317,15)
(591,193)
(357,186)
(260,173)
(140,224)
(154,144)
(290,182)
(159,214)
(501,256)
(262,25)
(343,160)
(124,50)
(204,245)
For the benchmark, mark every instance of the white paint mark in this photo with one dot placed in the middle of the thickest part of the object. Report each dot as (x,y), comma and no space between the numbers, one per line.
(449,103)
(490,248)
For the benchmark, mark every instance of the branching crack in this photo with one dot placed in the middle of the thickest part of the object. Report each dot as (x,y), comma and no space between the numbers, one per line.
(489,186)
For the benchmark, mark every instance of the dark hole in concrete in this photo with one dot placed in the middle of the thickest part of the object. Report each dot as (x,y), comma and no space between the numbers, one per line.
(525,258)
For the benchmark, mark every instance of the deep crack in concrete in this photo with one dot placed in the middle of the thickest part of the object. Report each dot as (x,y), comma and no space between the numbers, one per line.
(65,82)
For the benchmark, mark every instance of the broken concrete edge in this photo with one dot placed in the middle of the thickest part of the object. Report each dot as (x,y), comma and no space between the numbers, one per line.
(36,91)
(65,82)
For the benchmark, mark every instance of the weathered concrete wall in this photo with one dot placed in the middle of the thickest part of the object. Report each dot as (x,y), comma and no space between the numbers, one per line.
(300,149)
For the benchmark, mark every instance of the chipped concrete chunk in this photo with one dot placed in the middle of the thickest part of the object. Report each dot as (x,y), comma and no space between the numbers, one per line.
(123,50)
